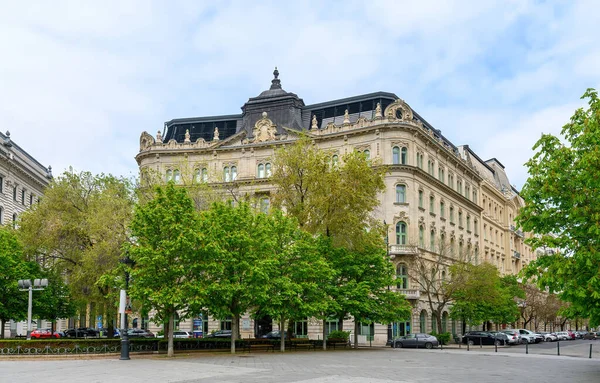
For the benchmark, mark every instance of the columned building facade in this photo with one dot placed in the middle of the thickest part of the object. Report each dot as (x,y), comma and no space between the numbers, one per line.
(439,198)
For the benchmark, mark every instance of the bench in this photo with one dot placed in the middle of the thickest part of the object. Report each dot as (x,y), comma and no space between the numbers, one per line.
(337,343)
(301,343)
(260,344)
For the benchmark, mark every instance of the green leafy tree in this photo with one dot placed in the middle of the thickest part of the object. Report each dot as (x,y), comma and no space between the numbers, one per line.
(54,302)
(235,254)
(13,303)
(562,209)
(297,272)
(165,255)
(78,230)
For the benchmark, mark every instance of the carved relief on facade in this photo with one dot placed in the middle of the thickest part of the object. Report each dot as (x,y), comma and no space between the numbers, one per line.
(172,143)
(146,140)
(400,144)
(200,143)
(398,110)
(402,216)
(264,129)
(361,122)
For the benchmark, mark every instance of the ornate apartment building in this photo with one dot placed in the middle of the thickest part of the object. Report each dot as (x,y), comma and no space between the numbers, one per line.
(436,192)
(22,183)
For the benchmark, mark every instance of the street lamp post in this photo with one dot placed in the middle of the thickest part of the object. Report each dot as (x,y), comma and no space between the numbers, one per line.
(26,285)
(126,307)
(387,251)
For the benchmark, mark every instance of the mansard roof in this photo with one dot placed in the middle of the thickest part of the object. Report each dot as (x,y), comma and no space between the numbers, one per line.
(10,151)
(287,111)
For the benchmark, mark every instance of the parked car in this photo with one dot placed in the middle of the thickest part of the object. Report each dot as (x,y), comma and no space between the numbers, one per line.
(500,336)
(529,336)
(276,334)
(44,334)
(139,333)
(514,337)
(483,338)
(563,335)
(81,332)
(418,340)
(182,334)
(590,336)
(549,336)
(571,334)
(220,334)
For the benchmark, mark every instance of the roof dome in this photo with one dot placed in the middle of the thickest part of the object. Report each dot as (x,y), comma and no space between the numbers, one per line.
(275,89)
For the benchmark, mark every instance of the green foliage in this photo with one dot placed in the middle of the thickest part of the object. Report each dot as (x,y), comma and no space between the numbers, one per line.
(54,302)
(562,207)
(338,334)
(234,260)
(79,227)
(13,303)
(443,338)
(165,254)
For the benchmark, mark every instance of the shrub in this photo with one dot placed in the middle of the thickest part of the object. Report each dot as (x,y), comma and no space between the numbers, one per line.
(443,338)
(337,334)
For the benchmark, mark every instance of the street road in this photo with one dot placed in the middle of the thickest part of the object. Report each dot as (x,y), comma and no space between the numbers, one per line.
(377,365)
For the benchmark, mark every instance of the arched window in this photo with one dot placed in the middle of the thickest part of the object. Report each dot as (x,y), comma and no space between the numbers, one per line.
(233,173)
(268,169)
(432,240)
(226,174)
(14,193)
(468,223)
(443,276)
(421,236)
(460,222)
(396,155)
(261,171)
(204,175)
(14,220)
(442,209)
(400,193)
(335,159)
(475,228)
(401,276)
(176,176)
(403,156)
(451,214)
(367,154)
(197,176)
(423,321)
(401,233)
(421,199)
(431,204)
(264,205)
(434,322)
(169,175)
(1,215)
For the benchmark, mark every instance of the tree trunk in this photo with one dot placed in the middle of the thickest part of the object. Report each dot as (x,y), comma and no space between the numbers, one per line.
(464,326)
(170,351)
(234,331)
(282,334)
(324,334)
(438,319)
(355,333)
(2,324)
(341,323)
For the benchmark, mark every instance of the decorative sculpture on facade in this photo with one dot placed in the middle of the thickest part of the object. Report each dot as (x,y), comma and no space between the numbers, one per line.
(187,136)
(399,110)
(378,111)
(216,134)
(314,125)
(346,117)
(264,129)
(159,137)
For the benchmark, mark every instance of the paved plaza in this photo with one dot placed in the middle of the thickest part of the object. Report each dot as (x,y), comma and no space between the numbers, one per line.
(377,365)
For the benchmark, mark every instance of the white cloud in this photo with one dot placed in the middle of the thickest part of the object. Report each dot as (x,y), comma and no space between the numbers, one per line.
(80,81)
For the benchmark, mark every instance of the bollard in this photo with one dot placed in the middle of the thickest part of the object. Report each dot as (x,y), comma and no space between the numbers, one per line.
(527,348)
(496,346)
(590,351)
(480,345)
(442,346)
(468,345)
(558,348)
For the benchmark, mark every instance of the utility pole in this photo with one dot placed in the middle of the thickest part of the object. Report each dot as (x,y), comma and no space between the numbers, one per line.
(26,285)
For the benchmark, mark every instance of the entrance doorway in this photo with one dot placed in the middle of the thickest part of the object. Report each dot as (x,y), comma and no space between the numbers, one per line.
(263,326)
(400,329)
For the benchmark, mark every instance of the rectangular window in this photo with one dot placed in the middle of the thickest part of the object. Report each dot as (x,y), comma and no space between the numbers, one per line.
(22,196)
(475,229)
(431,203)
(451,214)
(474,195)
(421,199)
(301,329)
(1,184)
(332,325)
(264,205)
(400,194)
(442,210)
(226,324)
(460,218)
(367,329)
(484,231)
(30,199)
(468,223)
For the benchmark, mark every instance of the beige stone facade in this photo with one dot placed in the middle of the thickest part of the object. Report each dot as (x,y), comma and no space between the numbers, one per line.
(22,183)
(436,192)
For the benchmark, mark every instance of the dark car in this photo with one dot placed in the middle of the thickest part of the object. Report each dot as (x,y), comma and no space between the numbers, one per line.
(483,338)
(589,335)
(418,340)
(276,335)
(220,334)
(81,332)
(139,333)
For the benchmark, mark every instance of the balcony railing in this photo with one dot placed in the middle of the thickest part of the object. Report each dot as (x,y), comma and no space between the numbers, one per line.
(519,233)
(410,293)
(403,250)
(516,254)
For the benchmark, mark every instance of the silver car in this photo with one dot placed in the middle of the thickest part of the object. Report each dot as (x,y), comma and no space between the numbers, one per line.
(418,340)
(514,337)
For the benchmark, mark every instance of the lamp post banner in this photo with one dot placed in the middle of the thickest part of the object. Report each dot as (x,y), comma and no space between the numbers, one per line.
(122,302)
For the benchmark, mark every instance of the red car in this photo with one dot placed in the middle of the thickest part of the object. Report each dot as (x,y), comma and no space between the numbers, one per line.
(571,334)
(40,334)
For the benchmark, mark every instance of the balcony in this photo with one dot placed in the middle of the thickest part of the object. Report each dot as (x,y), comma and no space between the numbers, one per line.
(518,233)
(403,250)
(410,294)
(516,254)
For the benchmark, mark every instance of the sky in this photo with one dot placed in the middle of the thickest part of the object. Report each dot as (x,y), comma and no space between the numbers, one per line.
(81,80)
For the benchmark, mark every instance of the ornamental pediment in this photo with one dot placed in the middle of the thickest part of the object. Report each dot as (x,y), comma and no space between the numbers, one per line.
(264,129)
